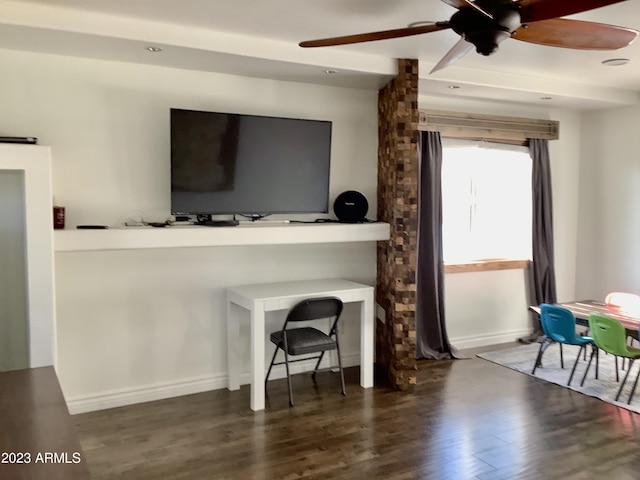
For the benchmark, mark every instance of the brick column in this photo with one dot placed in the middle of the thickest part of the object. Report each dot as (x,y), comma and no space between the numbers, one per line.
(397,204)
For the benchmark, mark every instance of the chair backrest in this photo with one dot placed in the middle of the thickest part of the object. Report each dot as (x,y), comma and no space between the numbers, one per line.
(315,308)
(608,334)
(558,323)
(624,302)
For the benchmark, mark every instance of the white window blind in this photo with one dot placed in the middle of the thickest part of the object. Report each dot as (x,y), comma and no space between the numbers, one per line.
(486,201)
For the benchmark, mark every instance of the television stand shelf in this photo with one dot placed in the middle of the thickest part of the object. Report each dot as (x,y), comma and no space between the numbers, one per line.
(134,238)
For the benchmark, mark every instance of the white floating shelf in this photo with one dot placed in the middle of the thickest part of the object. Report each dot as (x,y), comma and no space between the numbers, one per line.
(133,238)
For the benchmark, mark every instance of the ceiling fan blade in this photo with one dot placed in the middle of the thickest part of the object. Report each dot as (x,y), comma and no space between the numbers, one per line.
(566,33)
(537,10)
(468,4)
(372,36)
(458,51)
(457,3)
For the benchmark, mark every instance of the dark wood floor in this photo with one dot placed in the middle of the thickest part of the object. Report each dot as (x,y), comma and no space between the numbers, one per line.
(37,435)
(466,419)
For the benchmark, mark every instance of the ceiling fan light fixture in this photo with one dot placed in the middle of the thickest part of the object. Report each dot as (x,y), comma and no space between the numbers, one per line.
(485,33)
(487,41)
(615,62)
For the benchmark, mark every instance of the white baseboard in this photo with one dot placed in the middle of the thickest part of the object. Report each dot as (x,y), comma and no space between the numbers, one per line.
(146,393)
(159,391)
(476,341)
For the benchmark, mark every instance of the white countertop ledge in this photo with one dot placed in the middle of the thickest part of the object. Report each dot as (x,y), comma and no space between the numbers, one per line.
(133,238)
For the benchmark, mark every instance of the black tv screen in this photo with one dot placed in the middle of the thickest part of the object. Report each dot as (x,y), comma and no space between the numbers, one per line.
(227,163)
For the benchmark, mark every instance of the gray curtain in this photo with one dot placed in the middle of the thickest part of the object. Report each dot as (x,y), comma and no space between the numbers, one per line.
(431,334)
(542,277)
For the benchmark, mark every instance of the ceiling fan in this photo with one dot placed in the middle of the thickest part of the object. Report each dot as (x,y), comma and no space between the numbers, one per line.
(484,24)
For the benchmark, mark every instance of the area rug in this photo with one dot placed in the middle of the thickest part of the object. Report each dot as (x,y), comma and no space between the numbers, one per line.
(521,359)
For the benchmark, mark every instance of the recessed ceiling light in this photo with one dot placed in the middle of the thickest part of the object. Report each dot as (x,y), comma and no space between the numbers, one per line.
(453,87)
(330,72)
(154,49)
(615,62)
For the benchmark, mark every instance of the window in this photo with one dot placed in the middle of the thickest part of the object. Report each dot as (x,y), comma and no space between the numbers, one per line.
(486,201)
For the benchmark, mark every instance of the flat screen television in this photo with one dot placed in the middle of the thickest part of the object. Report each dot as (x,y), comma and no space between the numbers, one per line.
(229,163)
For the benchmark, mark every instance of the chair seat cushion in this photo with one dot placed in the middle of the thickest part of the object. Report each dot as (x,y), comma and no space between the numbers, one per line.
(304,340)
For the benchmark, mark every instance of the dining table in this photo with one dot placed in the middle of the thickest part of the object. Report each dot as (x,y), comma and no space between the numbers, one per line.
(582,308)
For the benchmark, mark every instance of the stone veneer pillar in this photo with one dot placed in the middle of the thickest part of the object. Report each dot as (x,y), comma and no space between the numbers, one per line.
(398,205)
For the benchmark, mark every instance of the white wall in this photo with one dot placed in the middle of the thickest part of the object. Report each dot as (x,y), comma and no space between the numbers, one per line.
(135,325)
(108,125)
(609,235)
(133,321)
(483,308)
(566,158)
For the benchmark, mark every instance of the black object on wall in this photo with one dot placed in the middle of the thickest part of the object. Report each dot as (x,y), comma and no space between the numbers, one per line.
(351,207)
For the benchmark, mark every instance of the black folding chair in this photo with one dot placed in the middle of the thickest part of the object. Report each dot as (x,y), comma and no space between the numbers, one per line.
(308,340)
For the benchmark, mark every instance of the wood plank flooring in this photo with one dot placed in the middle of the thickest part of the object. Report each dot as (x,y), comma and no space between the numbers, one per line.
(37,435)
(466,419)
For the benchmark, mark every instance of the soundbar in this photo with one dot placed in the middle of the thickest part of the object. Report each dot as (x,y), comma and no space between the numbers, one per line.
(217,223)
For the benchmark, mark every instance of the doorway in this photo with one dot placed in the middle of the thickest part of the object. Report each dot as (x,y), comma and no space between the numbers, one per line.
(14,328)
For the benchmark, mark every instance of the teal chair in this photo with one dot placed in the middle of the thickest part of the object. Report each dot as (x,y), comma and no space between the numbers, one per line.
(610,336)
(559,326)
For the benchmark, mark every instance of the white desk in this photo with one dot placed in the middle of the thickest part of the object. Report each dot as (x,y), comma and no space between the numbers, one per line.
(261,298)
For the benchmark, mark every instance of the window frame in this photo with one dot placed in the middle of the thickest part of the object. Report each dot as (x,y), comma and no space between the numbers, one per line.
(486,264)
(502,129)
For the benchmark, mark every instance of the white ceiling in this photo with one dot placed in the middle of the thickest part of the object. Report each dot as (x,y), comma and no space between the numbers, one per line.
(260,37)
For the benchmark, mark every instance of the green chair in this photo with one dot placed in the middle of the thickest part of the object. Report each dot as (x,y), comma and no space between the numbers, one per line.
(610,336)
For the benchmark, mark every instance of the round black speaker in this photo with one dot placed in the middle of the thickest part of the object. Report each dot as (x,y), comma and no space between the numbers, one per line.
(351,207)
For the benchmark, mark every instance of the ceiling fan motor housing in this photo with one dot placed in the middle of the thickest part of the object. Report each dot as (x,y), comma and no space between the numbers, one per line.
(483,32)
